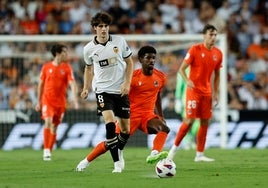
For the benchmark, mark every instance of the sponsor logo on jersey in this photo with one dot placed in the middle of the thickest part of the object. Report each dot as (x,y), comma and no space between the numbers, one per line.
(103,63)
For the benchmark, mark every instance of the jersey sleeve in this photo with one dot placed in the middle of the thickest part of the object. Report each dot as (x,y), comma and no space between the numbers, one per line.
(189,57)
(88,57)
(126,51)
(70,73)
(43,73)
(219,65)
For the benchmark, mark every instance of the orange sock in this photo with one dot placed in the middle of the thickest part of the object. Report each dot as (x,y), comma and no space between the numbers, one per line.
(52,140)
(97,151)
(201,138)
(159,141)
(181,133)
(46,136)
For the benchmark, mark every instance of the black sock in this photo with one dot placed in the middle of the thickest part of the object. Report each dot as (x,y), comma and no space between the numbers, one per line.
(112,141)
(122,140)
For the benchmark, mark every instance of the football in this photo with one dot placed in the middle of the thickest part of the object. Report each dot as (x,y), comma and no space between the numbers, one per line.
(165,168)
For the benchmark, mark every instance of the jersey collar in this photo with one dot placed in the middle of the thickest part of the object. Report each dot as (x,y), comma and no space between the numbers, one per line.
(97,42)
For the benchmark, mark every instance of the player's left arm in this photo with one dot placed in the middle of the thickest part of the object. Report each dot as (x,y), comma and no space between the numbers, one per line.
(73,86)
(40,91)
(129,72)
(216,86)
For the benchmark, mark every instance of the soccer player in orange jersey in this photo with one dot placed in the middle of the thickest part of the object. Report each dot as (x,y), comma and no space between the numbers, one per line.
(54,80)
(204,60)
(144,95)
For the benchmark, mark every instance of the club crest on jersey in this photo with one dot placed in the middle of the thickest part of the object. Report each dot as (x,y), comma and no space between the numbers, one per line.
(156,84)
(62,72)
(203,55)
(115,49)
(101,105)
(139,83)
(214,58)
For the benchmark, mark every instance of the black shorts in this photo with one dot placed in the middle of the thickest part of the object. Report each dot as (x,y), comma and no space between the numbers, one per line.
(119,105)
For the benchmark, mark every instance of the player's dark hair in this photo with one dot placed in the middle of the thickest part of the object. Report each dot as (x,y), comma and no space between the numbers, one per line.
(57,48)
(146,49)
(209,27)
(101,17)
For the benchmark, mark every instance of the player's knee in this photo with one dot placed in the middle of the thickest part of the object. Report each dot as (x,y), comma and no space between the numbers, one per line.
(165,129)
(125,131)
(188,121)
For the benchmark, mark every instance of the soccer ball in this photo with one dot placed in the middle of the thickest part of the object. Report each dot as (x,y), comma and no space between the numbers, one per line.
(165,168)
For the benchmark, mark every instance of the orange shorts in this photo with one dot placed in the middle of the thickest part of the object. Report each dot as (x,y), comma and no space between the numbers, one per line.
(138,122)
(56,113)
(198,106)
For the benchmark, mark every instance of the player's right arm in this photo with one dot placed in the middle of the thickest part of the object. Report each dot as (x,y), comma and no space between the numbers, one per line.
(88,76)
(40,90)
(182,71)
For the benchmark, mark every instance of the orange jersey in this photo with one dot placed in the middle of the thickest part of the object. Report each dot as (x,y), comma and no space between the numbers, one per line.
(56,79)
(144,90)
(203,62)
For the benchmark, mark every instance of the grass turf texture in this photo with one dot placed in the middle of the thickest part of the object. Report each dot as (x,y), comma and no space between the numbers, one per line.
(233,168)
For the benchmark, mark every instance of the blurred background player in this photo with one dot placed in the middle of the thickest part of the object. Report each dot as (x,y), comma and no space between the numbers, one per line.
(109,69)
(189,141)
(146,86)
(52,88)
(204,60)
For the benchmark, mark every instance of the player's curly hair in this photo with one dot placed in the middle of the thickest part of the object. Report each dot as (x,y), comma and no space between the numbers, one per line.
(146,49)
(101,17)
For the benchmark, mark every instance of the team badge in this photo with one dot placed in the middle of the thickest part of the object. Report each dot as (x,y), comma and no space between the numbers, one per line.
(101,105)
(115,49)
(139,83)
(214,57)
(156,83)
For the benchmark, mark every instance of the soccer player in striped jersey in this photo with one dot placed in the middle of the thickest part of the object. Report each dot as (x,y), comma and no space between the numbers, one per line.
(109,69)
(145,98)
(54,80)
(204,60)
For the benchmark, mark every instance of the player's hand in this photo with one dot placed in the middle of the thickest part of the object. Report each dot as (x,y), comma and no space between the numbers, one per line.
(38,107)
(84,94)
(190,84)
(125,89)
(76,105)
(215,99)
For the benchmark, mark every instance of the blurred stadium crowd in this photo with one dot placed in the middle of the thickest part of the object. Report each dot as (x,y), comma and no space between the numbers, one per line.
(244,21)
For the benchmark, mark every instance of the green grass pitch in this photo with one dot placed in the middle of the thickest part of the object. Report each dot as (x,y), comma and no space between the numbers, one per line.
(245,168)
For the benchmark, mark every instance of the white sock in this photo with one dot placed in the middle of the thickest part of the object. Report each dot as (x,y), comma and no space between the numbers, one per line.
(199,154)
(85,161)
(172,152)
(154,152)
(120,152)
